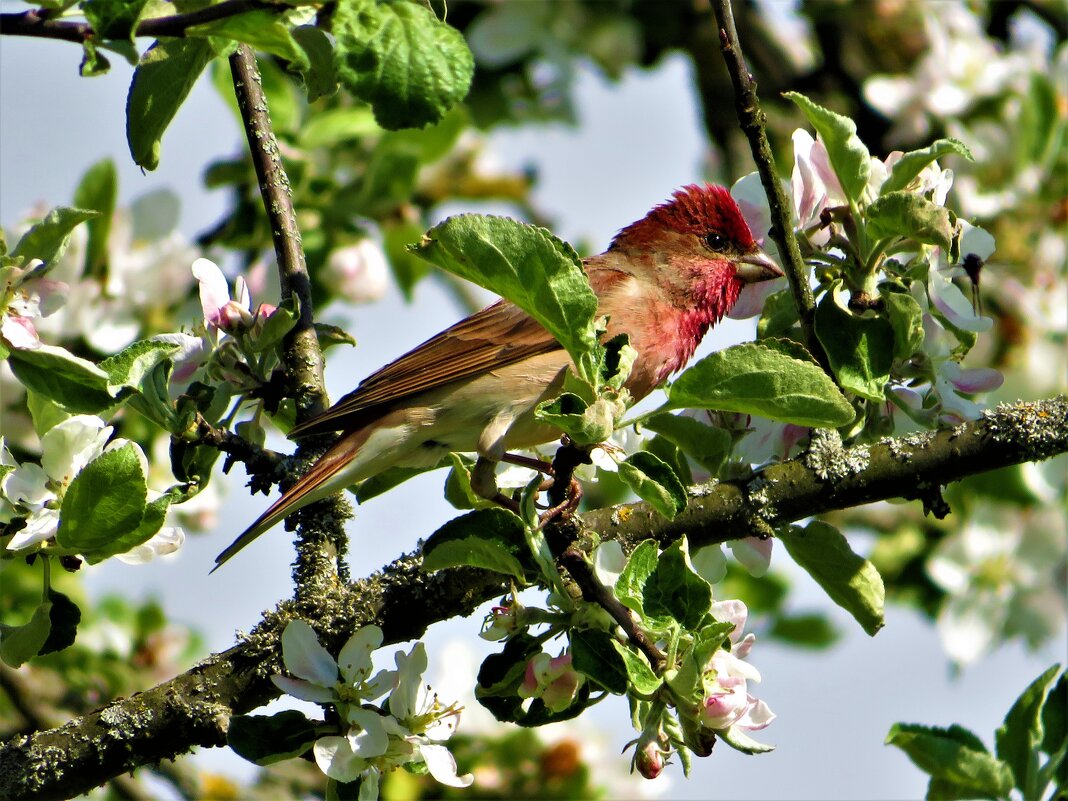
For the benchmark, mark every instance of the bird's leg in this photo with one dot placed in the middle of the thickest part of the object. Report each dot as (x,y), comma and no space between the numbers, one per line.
(531,462)
(564,500)
(568,505)
(484,484)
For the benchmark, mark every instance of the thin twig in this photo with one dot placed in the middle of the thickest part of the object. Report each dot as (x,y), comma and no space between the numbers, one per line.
(319,563)
(752,120)
(38,22)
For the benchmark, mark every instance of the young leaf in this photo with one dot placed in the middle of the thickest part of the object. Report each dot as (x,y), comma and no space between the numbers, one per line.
(491,539)
(906,318)
(265,739)
(19,644)
(954,755)
(860,349)
(851,581)
(73,383)
(911,216)
(1021,735)
(640,676)
(593,655)
(585,424)
(114,19)
(262,29)
(399,57)
(104,502)
(675,590)
(754,378)
(532,268)
(130,367)
(151,523)
(161,83)
(737,739)
(654,482)
(48,239)
(630,586)
(320,76)
(848,155)
(912,163)
(97,191)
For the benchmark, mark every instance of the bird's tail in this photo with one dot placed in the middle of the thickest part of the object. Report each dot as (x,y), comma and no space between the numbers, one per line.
(310,487)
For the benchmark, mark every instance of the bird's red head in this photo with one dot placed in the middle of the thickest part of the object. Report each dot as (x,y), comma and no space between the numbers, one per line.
(708,212)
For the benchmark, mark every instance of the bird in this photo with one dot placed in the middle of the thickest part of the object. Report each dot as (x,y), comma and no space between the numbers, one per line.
(664,281)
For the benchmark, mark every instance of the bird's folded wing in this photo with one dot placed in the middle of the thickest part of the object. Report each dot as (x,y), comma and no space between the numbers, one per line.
(498,335)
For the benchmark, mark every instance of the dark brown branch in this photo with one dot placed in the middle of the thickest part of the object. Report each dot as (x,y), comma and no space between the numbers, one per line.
(318,562)
(752,120)
(37,22)
(195,708)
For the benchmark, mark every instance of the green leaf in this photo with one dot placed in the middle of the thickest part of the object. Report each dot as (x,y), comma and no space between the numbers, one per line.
(388,479)
(674,589)
(276,326)
(1021,735)
(860,349)
(585,424)
(266,739)
(389,179)
(1055,717)
(44,413)
(48,239)
(912,163)
(487,538)
(408,269)
(262,29)
(151,523)
(630,586)
(909,215)
(654,482)
(851,581)
(130,367)
(75,384)
(97,191)
(706,445)
(906,318)
(778,316)
(403,60)
(593,655)
(527,265)
(320,76)
(93,62)
(458,489)
(333,126)
(737,739)
(19,644)
(330,335)
(161,83)
(114,19)
(754,378)
(640,675)
(811,630)
(104,502)
(954,755)
(63,617)
(848,156)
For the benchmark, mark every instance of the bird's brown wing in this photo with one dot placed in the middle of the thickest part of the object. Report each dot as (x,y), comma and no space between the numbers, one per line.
(498,335)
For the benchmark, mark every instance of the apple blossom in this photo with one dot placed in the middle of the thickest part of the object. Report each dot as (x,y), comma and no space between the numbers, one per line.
(552,679)
(358,272)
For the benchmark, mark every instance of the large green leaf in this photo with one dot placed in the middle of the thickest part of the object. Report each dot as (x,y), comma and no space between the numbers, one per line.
(262,29)
(161,83)
(104,502)
(69,381)
(953,755)
(756,378)
(409,65)
(1022,733)
(491,539)
(912,163)
(911,216)
(860,348)
(527,265)
(851,581)
(848,155)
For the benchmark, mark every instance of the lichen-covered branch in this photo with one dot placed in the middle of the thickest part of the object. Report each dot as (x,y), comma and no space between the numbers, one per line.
(195,708)
(39,22)
(322,536)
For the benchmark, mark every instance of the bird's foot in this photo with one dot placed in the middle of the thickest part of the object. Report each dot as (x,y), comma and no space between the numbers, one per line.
(565,507)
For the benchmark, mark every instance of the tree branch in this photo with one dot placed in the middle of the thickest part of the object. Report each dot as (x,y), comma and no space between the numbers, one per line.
(322,536)
(38,22)
(195,708)
(753,122)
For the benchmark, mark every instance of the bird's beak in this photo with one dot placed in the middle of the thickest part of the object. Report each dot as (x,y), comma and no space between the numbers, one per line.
(756,265)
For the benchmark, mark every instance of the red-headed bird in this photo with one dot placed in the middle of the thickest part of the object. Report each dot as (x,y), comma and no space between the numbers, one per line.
(664,280)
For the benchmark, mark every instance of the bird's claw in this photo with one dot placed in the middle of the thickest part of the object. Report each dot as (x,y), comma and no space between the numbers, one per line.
(565,507)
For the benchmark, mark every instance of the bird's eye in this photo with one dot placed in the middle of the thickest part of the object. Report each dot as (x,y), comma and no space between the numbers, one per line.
(716,241)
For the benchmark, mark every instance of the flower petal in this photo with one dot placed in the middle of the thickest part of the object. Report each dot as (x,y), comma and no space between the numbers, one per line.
(304,657)
(354,661)
(442,766)
(304,690)
(335,758)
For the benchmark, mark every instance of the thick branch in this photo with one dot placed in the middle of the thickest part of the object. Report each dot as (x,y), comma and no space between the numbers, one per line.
(194,708)
(38,22)
(753,122)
